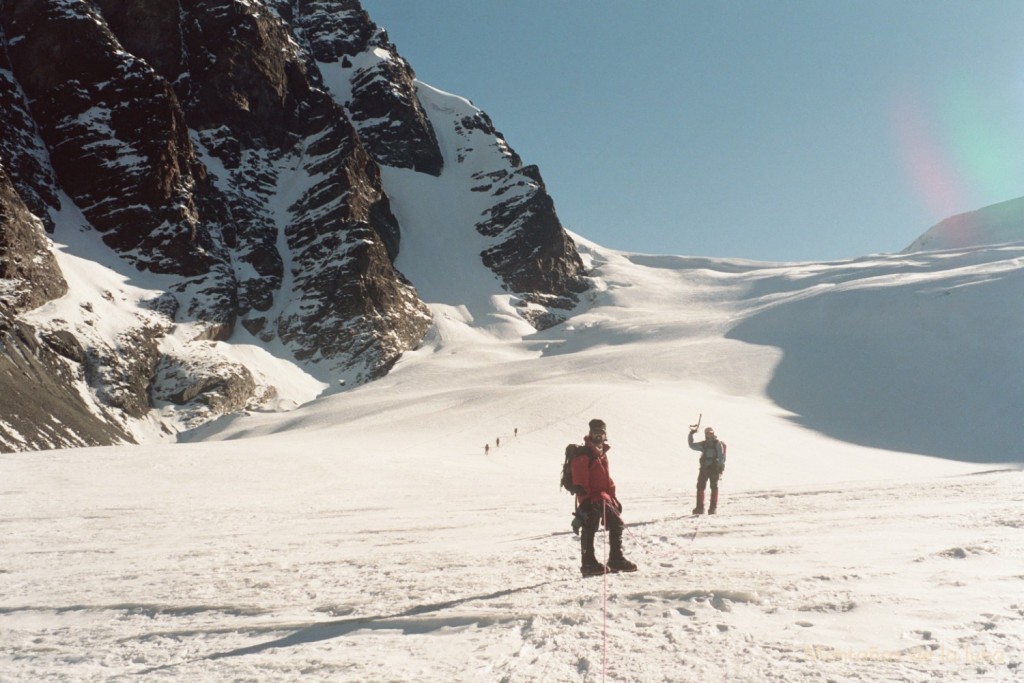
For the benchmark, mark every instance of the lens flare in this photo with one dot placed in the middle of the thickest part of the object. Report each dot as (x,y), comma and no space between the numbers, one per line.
(981,132)
(930,167)
(962,154)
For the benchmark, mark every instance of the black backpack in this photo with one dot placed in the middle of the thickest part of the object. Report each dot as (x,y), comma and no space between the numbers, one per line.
(571,451)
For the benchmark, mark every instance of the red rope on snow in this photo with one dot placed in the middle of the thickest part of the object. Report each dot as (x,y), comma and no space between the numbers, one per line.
(604,606)
(604,603)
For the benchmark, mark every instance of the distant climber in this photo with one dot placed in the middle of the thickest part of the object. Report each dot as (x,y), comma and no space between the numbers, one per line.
(712,466)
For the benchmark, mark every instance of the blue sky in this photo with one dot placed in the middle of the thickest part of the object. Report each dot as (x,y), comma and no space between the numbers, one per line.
(778,131)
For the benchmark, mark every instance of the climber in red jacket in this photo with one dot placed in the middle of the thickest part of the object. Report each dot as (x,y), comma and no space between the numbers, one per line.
(597,504)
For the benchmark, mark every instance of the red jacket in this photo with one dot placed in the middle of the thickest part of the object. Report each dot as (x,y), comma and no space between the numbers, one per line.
(590,471)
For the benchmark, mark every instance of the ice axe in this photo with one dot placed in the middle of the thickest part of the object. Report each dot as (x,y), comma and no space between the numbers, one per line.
(695,427)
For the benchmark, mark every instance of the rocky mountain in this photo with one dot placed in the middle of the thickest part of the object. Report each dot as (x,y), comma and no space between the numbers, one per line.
(219,167)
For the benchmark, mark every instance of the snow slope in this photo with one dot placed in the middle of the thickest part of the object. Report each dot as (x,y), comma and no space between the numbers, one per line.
(439,218)
(1001,223)
(366,537)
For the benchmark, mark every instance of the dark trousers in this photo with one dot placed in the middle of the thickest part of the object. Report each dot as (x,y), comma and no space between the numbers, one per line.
(595,514)
(707,473)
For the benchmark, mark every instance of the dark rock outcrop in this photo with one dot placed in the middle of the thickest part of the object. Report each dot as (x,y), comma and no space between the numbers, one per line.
(29,274)
(40,405)
(288,148)
(203,386)
(382,102)
(114,131)
(534,255)
(22,151)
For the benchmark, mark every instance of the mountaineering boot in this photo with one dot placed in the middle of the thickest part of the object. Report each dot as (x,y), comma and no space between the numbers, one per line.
(714,502)
(699,510)
(589,565)
(616,561)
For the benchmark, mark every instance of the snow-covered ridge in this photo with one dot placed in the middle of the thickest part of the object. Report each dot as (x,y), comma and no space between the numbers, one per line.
(915,353)
(1001,223)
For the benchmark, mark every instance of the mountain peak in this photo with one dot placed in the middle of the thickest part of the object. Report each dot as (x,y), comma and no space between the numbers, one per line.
(240,167)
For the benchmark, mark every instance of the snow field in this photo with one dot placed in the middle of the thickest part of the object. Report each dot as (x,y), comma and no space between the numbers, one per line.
(365,536)
(271,567)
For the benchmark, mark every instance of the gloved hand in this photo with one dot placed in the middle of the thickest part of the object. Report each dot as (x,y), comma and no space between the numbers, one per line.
(578,519)
(617,504)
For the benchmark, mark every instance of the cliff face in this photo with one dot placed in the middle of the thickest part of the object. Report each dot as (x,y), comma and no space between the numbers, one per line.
(228,156)
(39,405)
